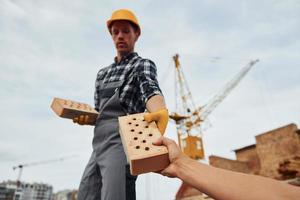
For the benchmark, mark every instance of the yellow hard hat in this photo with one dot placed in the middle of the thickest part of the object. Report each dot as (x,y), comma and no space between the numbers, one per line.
(123,14)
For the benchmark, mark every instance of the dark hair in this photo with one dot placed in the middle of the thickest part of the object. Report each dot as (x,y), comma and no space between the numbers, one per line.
(133,25)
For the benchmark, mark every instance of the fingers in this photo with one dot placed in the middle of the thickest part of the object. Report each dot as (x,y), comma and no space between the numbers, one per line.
(159,141)
(82,119)
(166,142)
(161,117)
(149,117)
(75,119)
(163,120)
(86,118)
(169,172)
(174,153)
(161,125)
(165,173)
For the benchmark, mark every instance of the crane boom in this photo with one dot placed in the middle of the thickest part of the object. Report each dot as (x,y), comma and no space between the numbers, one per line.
(188,118)
(21,166)
(219,97)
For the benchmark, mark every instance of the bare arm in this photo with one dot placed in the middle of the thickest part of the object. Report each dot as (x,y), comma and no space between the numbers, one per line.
(155,103)
(223,184)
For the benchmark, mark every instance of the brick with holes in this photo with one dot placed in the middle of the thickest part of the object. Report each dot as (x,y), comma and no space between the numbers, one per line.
(137,136)
(70,109)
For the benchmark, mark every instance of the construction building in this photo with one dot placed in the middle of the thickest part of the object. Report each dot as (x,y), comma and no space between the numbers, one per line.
(6,193)
(12,190)
(65,195)
(276,154)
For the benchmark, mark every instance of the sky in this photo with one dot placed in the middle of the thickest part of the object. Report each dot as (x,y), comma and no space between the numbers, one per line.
(55,48)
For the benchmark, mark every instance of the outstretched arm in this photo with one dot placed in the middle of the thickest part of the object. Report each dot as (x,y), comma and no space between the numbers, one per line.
(151,94)
(223,184)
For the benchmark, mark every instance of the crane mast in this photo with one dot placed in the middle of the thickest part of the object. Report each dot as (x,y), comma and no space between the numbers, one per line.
(185,116)
(188,118)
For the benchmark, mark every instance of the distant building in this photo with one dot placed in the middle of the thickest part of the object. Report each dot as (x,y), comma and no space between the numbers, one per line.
(36,191)
(65,195)
(25,191)
(6,193)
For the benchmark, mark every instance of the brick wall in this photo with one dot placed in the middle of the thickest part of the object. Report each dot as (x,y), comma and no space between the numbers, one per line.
(233,165)
(249,154)
(275,146)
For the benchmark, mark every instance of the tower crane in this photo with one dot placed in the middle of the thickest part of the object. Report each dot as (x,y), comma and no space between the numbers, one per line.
(21,166)
(189,118)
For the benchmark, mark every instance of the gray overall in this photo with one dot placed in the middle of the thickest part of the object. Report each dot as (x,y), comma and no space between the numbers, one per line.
(107,176)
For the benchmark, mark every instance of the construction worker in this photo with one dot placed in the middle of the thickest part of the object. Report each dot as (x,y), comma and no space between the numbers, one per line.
(129,85)
(223,184)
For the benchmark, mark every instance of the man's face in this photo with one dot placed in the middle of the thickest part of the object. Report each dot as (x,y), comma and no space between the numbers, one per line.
(124,36)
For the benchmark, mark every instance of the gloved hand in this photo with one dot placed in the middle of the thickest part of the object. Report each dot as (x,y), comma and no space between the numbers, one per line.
(83,120)
(161,117)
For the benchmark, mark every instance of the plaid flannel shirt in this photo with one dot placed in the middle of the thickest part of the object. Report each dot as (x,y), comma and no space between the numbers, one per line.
(140,82)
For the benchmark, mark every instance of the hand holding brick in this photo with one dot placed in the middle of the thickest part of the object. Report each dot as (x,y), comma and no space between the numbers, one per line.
(71,109)
(137,136)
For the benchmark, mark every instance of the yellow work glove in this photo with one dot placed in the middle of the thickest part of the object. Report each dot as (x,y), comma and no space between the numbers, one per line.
(161,117)
(83,120)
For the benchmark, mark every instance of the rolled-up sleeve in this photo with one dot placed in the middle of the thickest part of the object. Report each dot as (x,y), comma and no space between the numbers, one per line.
(147,80)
